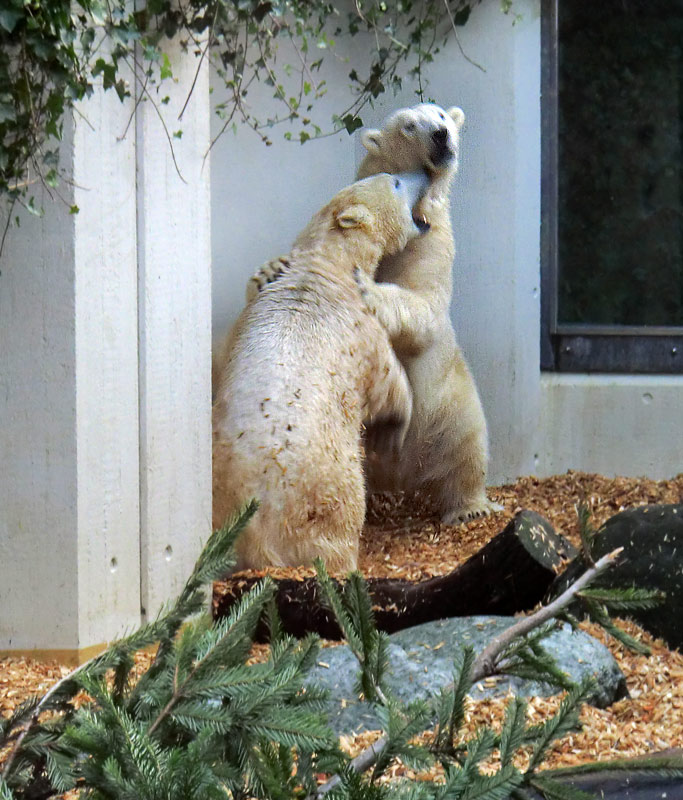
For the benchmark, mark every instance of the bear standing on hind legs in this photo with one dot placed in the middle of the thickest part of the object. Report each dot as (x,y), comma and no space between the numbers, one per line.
(445,452)
(305,365)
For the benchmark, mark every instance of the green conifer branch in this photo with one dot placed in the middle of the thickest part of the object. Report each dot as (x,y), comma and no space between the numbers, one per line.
(554,790)
(629,598)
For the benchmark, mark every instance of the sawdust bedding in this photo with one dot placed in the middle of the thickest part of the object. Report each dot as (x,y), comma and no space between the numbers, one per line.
(403,538)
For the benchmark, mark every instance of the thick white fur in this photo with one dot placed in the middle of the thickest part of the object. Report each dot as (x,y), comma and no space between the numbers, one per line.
(305,365)
(445,452)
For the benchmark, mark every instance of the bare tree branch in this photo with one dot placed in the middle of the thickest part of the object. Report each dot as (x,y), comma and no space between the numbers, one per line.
(484,665)
(457,38)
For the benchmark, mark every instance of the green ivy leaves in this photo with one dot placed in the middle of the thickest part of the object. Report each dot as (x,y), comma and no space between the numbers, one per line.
(54,52)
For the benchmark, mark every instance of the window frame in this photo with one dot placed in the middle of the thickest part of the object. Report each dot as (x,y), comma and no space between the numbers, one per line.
(583,347)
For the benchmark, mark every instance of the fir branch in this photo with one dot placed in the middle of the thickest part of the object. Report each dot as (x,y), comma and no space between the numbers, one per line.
(42,705)
(662,765)
(494,787)
(598,614)
(554,790)
(536,664)
(353,611)
(401,725)
(629,598)
(451,702)
(459,779)
(512,734)
(586,532)
(565,720)
(228,635)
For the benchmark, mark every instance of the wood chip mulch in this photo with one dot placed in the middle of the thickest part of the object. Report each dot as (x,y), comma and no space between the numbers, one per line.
(403,538)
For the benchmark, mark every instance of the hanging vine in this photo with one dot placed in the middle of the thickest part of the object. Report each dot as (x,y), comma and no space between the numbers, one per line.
(54,52)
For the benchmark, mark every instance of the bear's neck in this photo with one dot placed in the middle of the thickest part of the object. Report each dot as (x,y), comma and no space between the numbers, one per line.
(340,254)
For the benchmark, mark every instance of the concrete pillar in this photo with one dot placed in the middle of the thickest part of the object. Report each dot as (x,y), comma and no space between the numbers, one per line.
(69,494)
(174,248)
(105,380)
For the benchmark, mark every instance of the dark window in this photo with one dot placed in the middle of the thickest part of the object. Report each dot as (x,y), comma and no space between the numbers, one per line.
(612,223)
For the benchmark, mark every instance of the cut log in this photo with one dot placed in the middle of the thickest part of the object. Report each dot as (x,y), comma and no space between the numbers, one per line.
(510,574)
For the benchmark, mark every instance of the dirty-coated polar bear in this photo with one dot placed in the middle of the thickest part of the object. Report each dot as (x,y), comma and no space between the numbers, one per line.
(445,452)
(304,367)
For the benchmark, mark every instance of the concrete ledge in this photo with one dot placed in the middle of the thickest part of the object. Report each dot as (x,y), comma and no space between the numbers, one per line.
(612,424)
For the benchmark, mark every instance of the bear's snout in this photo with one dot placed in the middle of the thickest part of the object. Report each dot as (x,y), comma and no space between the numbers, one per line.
(441,152)
(440,136)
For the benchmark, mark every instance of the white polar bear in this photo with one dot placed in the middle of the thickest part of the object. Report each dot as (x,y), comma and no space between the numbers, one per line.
(445,452)
(304,366)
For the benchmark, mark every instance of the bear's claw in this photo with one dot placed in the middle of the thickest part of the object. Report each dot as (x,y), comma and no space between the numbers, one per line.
(469,512)
(268,273)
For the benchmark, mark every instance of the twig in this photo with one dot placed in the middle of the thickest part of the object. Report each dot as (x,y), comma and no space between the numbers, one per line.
(137,102)
(304,64)
(484,664)
(146,91)
(78,111)
(457,38)
(10,210)
(236,95)
(201,61)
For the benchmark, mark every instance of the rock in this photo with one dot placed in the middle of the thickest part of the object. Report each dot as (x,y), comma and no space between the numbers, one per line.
(421,663)
(652,538)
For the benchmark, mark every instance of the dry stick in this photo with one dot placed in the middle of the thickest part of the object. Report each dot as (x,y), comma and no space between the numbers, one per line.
(201,60)
(145,91)
(10,211)
(485,662)
(457,38)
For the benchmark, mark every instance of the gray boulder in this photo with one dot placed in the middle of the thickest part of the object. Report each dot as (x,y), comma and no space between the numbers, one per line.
(421,663)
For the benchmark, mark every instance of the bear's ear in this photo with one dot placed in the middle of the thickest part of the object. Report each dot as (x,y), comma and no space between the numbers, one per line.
(372,140)
(457,115)
(355,216)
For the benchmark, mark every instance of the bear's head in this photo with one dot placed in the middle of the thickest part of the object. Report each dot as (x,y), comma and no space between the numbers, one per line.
(368,220)
(424,136)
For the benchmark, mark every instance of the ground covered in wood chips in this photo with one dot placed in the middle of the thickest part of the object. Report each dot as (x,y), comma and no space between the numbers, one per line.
(403,538)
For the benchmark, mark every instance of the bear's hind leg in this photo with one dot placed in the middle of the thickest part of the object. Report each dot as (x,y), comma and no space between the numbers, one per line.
(460,491)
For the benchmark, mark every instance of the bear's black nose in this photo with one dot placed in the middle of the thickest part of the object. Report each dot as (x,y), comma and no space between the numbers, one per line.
(440,136)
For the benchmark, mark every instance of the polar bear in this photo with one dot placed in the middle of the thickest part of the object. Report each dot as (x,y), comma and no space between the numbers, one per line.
(304,367)
(445,452)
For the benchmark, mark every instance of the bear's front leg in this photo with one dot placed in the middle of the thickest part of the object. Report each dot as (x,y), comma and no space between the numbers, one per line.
(389,402)
(407,318)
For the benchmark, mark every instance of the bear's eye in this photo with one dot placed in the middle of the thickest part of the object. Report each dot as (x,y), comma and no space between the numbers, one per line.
(397,183)
(409,127)
(441,115)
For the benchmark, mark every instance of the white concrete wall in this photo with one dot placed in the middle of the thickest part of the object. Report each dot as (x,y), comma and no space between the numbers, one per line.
(612,424)
(262,196)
